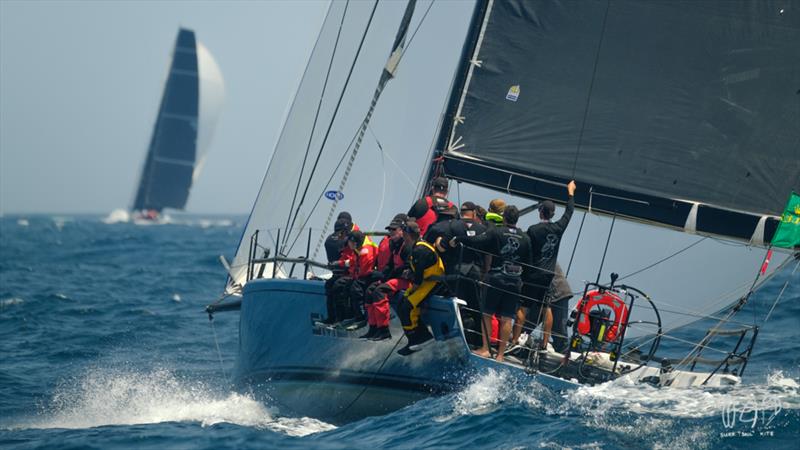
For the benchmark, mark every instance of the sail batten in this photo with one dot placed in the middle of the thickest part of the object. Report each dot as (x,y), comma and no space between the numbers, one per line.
(668,103)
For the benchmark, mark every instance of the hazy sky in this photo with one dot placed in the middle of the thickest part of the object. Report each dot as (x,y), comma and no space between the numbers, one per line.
(80,85)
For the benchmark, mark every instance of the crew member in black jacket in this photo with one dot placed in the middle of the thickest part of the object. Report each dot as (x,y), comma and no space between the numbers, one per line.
(511,250)
(545,239)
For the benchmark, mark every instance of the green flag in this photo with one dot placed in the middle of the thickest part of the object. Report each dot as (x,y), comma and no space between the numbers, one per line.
(788,233)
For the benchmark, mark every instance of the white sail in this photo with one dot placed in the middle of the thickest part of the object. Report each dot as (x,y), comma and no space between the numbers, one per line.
(381,182)
(212,97)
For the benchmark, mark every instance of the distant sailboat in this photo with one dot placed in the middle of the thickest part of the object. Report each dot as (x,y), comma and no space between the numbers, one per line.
(193,97)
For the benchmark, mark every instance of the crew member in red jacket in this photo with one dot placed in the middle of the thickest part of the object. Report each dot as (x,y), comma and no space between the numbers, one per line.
(349,290)
(426,210)
(392,257)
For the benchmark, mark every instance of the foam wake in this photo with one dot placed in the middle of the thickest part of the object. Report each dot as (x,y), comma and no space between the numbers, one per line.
(106,397)
(117,216)
(779,392)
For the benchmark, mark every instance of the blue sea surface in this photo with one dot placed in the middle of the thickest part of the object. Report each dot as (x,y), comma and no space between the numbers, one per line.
(104,344)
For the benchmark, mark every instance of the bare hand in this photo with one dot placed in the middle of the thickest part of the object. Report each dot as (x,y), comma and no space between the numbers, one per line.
(453,242)
(571,188)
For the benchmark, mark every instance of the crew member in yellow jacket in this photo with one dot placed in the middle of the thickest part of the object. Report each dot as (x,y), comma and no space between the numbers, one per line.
(426,272)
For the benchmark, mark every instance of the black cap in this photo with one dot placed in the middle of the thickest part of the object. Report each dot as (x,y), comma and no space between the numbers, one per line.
(450,211)
(468,206)
(397,222)
(345,215)
(341,225)
(411,227)
(511,215)
(440,183)
(547,208)
(356,236)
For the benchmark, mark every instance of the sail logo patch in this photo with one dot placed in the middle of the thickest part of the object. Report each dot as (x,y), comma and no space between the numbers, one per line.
(513,93)
(334,195)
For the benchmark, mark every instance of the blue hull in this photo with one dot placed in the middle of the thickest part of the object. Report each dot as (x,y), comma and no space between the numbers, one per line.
(332,375)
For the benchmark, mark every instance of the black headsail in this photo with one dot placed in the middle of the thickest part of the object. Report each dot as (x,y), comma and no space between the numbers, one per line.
(682,114)
(168,169)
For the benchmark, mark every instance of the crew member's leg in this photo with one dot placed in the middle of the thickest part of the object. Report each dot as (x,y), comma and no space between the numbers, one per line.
(330,300)
(370,297)
(491,305)
(560,309)
(530,307)
(509,302)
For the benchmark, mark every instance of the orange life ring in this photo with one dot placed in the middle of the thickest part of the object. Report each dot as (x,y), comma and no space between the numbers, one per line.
(605,298)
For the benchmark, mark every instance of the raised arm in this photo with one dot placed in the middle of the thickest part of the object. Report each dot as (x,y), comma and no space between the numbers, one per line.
(564,220)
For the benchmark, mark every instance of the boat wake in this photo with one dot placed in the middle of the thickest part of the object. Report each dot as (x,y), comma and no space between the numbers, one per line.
(124,216)
(780,392)
(117,216)
(108,397)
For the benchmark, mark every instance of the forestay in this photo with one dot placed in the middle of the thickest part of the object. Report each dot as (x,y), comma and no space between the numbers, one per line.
(683,114)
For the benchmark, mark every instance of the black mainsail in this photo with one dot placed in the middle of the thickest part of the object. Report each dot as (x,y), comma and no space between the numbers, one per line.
(682,114)
(182,128)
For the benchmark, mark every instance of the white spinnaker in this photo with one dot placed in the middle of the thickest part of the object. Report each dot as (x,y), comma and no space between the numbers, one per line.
(212,97)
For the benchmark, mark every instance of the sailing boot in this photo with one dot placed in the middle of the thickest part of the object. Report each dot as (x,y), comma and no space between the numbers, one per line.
(421,338)
(417,339)
(370,334)
(381,333)
(405,351)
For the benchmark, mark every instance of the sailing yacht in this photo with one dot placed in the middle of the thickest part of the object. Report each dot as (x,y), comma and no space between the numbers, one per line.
(190,106)
(677,121)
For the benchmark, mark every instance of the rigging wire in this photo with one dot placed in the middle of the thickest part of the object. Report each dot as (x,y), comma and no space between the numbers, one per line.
(575,247)
(780,294)
(411,39)
(316,117)
(397,166)
(219,353)
(591,86)
(374,374)
(735,309)
(663,259)
(383,184)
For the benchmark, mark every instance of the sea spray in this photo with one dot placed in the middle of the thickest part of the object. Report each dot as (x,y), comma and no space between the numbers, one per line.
(103,397)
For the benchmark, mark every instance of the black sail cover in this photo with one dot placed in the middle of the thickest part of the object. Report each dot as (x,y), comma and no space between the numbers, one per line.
(167,173)
(681,113)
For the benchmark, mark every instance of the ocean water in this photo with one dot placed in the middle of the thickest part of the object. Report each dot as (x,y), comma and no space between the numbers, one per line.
(104,344)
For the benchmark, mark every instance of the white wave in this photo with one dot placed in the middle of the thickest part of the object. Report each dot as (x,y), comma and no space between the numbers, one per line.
(117,216)
(779,392)
(105,397)
(490,390)
(6,302)
(23,222)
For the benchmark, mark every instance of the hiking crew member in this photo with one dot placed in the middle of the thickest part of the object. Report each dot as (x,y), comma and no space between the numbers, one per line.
(426,267)
(392,257)
(426,210)
(348,291)
(340,256)
(545,239)
(511,250)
